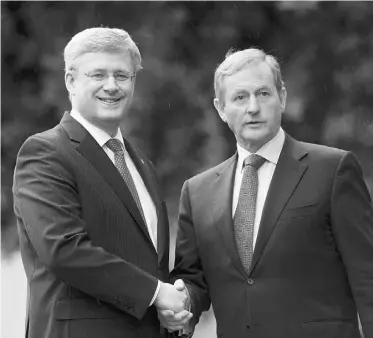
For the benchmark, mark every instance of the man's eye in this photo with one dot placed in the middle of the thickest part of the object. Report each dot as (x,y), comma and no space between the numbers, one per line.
(240,98)
(264,93)
(97,76)
(121,77)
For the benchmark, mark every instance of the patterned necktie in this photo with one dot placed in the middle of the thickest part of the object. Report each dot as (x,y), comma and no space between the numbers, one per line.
(115,146)
(244,216)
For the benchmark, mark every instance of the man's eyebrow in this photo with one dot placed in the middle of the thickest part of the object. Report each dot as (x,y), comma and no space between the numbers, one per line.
(244,90)
(105,70)
(265,87)
(240,90)
(97,70)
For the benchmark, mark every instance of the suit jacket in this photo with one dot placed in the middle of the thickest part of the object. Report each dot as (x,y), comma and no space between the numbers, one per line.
(91,266)
(312,266)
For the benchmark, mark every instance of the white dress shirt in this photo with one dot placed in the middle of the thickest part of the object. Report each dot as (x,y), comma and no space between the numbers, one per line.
(146,201)
(271,152)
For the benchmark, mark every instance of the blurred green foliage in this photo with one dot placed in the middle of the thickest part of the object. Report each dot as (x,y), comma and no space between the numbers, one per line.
(325,50)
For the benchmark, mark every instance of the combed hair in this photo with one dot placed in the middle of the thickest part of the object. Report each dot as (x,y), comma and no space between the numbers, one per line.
(236,60)
(101,39)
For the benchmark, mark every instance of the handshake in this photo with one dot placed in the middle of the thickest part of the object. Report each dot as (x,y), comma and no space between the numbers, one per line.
(173,305)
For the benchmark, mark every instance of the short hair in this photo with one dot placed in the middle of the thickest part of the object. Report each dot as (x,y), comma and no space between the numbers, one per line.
(101,39)
(236,60)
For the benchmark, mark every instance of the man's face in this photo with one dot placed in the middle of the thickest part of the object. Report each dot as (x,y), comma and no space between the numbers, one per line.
(102,88)
(251,105)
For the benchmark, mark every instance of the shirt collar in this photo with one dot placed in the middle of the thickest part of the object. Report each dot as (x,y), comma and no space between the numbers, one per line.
(99,135)
(270,151)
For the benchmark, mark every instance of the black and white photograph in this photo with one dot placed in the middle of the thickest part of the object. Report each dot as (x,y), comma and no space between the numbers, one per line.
(186,169)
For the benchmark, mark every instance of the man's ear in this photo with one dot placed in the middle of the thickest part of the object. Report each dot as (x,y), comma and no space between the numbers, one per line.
(70,83)
(134,80)
(220,109)
(283,96)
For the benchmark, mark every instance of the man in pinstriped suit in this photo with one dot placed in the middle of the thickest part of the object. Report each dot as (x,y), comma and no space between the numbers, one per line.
(92,222)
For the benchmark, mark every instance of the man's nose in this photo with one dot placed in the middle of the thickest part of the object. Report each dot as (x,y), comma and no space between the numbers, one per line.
(253,106)
(111,84)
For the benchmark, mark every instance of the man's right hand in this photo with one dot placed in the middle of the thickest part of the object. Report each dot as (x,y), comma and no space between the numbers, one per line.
(170,298)
(175,320)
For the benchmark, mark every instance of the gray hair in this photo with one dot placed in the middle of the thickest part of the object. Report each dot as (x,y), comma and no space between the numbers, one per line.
(235,61)
(101,39)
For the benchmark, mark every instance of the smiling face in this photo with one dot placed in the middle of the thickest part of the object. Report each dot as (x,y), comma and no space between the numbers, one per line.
(99,89)
(251,105)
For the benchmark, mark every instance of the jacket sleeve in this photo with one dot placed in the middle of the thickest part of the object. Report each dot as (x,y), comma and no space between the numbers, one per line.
(47,205)
(352,224)
(188,265)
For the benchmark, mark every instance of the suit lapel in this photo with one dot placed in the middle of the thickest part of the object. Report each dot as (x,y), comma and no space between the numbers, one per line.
(91,150)
(289,171)
(223,192)
(144,170)
(151,184)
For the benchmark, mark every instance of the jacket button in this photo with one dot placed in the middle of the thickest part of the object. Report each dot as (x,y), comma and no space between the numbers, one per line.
(248,327)
(250,281)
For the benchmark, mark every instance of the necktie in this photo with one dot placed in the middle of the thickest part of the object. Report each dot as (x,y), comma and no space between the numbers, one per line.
(115,146)
(244,216)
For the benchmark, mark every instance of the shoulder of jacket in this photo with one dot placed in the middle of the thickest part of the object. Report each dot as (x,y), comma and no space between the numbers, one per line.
(211,173)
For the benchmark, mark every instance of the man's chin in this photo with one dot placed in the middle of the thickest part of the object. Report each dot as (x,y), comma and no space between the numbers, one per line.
(109,116)
(254,141)
(111,113)
(254,136)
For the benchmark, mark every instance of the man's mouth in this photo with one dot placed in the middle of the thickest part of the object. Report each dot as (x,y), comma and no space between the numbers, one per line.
(111,100)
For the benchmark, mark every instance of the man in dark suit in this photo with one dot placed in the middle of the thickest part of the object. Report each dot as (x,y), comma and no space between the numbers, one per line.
(280,236)
(92,223)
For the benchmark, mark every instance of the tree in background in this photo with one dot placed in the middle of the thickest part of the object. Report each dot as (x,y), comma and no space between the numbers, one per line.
(325,50)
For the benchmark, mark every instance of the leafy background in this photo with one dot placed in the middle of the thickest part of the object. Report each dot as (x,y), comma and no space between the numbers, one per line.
(325,50)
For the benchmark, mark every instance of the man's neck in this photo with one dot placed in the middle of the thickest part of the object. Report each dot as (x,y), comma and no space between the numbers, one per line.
(109,129)
(253,148)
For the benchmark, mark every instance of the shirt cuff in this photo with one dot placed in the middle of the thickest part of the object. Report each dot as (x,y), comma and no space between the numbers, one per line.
(155,293)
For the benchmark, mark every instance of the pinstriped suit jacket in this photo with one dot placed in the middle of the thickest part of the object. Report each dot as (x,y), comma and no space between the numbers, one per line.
(91,266)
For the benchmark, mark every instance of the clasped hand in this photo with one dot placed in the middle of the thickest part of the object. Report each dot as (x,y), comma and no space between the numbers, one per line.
(173,304)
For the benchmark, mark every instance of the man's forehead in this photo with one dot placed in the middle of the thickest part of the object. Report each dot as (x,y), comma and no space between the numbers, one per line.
(258,69)
(259,74)
(104,59)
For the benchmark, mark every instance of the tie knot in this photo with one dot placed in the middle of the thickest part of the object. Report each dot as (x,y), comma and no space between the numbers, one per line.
(114,145)
(254,160)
